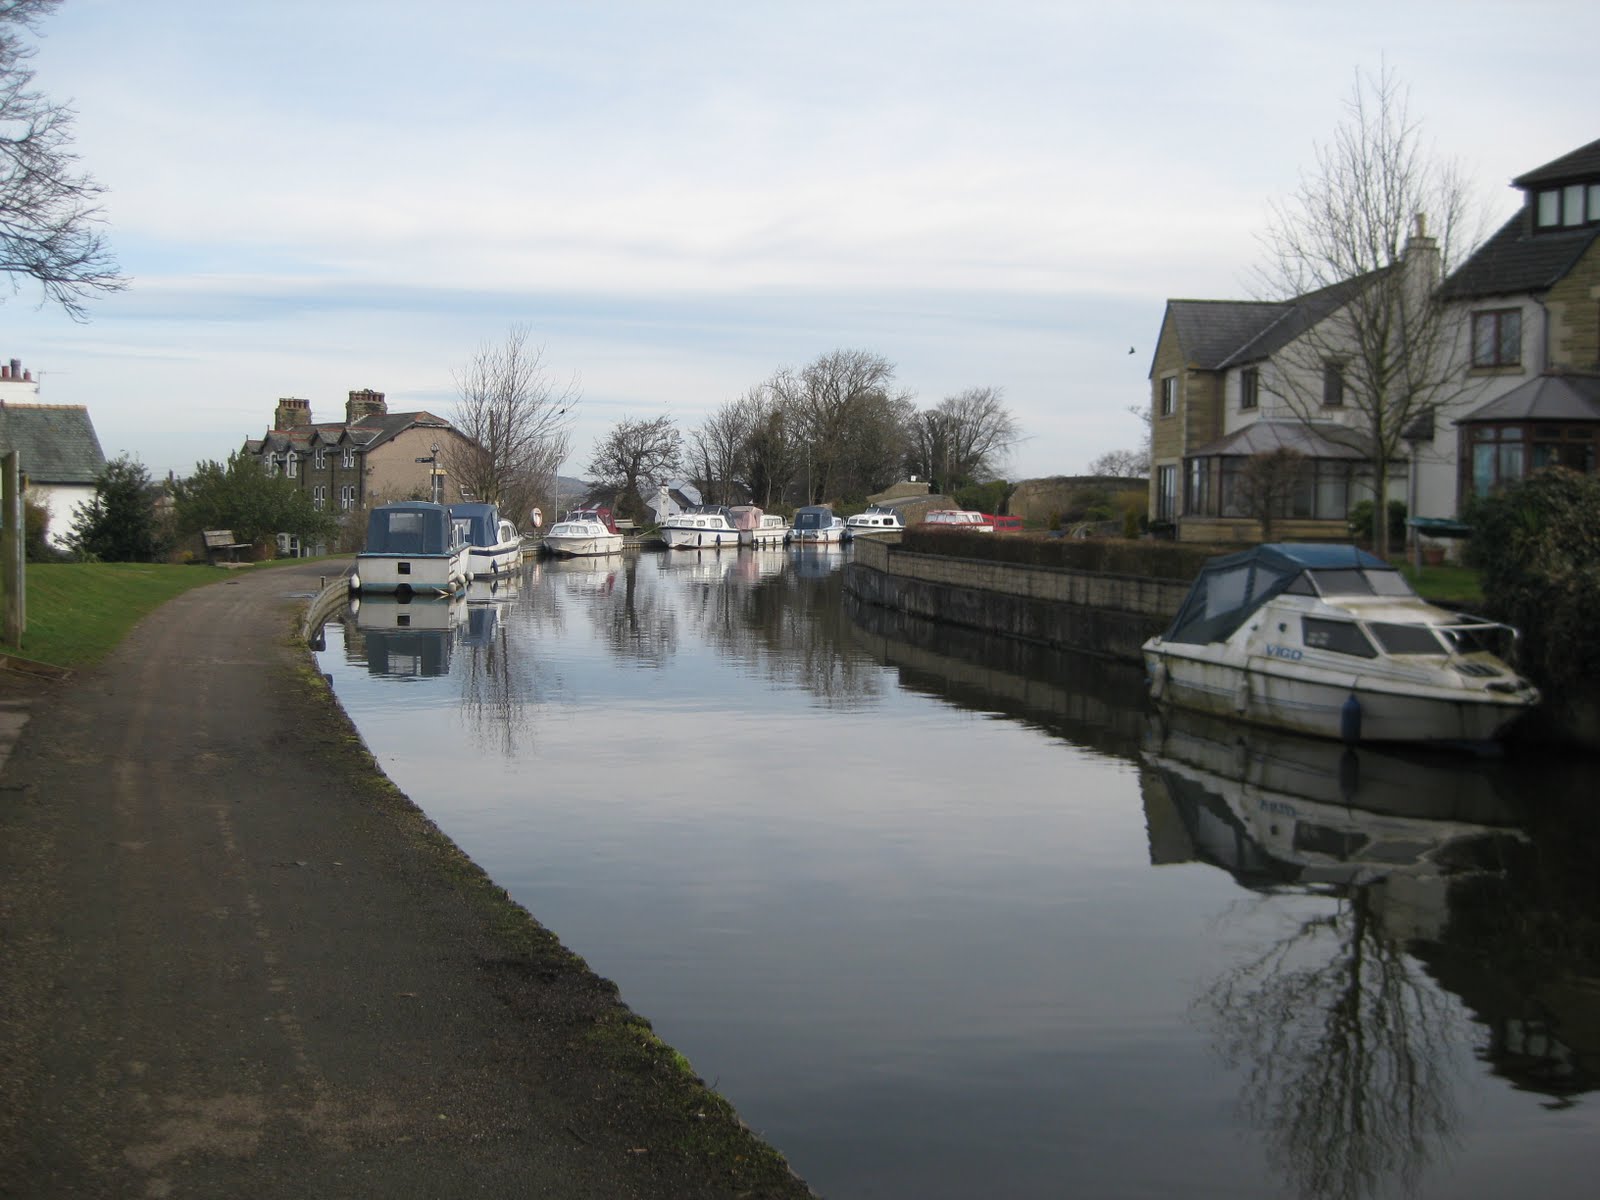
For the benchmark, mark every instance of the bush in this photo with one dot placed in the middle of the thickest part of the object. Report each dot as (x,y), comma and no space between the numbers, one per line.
(1113,556)
(119,523)
(984,497)
(1537,548)
(1360,522)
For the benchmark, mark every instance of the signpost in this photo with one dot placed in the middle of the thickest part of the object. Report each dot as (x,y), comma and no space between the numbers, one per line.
(13,549)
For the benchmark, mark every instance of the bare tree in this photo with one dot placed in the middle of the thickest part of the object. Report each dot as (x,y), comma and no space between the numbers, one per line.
(964,437)
(1266,485)
(516,423)
(832,399)
(633,451)
(717,448)
(1355,237)
(50,218)
(1121,464)
(774,455)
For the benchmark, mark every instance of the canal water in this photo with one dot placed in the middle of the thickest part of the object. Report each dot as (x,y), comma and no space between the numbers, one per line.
(948,916)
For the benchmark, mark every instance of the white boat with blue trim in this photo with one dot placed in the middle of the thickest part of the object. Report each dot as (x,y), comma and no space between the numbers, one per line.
(1331,641)
(701,527)
(414,548)
(584,533)
(875,521)
(816,525)
(494,547)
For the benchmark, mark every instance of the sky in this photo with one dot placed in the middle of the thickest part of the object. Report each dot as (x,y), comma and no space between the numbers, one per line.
(676,200)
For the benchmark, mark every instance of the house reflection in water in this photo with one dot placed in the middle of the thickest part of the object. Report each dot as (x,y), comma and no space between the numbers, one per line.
(1343,1027)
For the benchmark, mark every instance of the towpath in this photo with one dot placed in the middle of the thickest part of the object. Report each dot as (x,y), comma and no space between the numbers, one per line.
(234,962)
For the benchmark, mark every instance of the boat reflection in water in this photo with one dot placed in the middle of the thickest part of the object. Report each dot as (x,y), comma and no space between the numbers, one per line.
(1345,1025)
(404,639)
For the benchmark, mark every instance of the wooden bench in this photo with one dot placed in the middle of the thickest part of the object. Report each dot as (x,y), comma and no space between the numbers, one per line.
(220,541)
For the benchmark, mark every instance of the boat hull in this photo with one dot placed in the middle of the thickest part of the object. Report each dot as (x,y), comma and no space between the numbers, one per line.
(1318,703)
(411,574)
(585,546)
(485,562)
(692,538)
(817,537)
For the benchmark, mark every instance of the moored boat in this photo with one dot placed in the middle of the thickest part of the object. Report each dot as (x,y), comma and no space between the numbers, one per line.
(413,548)
(757,528)
(958,518)
(584,533)
(1331,641)
(816,525)
(494,547)
(701,527)
(873,521)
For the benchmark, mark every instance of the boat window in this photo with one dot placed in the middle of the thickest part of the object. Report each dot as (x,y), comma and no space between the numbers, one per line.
(1301,586)
(1497,640)
(1388,583)
(1343,581)
(1406,639)
(1342,637)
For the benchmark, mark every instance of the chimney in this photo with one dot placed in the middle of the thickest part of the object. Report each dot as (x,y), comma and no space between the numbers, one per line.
(1422,252)
(364,403)
(292,413)
(16,368)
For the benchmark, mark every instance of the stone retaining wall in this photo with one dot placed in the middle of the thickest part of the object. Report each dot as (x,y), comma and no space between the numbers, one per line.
(1075,610)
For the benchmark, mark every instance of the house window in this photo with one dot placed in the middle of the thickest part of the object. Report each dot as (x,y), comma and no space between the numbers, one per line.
(319,496)
(1169,395)
(1497,338)
(291,465)
(1332,384)
(1249,388)
(1198,499)
(1166,493)
(322,459)
(1496,458)
(349,459)
(1567,207)
(347,497)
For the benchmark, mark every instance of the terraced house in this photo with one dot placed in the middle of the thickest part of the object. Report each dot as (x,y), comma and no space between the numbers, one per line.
(1518,378)
(371,457)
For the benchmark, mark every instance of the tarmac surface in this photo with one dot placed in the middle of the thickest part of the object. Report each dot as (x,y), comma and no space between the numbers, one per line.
(234,961)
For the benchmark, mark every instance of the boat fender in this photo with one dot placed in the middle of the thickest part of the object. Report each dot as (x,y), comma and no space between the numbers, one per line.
(1158,680)
(1350,721)
(355,582)
(1241,697)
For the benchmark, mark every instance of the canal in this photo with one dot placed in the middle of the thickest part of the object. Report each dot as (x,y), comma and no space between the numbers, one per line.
(948,916)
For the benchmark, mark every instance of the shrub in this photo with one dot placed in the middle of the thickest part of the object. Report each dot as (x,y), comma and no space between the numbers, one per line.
(1360,522)
(1150,559)
(1537,548)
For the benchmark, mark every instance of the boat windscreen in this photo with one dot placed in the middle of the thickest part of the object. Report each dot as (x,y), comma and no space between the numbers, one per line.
(1355,581)
(1224,596)
(405,531)
(1406,639)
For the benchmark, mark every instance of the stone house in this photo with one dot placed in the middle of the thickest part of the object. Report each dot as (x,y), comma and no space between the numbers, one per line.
(1528,303)
(371,457)
(58,449)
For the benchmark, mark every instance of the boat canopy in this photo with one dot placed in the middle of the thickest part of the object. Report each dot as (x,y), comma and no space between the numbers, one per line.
(745,516)
(480,522)
(412,527)
(813,516)
(1231,587)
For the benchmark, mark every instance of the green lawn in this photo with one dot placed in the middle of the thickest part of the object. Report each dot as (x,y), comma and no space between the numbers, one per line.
(1452,585)
(77,612)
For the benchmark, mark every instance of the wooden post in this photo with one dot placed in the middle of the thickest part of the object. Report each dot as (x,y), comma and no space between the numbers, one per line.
(13,549)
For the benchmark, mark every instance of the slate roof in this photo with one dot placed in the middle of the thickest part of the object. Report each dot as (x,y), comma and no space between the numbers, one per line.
(1515,261)
(1314,439)
(369,432)
(1544,398)
(1581,164)
(1216,334)
(57,442)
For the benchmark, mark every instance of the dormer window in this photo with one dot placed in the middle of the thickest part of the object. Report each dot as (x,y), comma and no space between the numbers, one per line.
(1568,207)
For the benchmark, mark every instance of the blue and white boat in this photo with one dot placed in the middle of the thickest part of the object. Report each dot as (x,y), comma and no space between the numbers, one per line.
(1331,641)
(494,547)
(816,525)
(702,527)
(414,548)
(875,521)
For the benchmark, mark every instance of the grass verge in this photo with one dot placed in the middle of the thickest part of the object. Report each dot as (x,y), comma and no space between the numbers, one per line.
(78,612)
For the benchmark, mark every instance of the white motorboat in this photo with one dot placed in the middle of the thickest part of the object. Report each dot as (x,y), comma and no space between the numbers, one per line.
(413,548)
(701,527)
(757,528)
(958,518)
(584,533)
(494,547)
(874,521)
(1331,641)
(816,525)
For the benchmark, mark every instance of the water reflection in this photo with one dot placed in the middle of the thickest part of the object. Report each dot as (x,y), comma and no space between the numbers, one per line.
(1342,1036)
(959,956)
(403,639)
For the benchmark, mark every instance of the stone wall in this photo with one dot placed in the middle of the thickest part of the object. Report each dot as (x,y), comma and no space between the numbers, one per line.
(1076,610)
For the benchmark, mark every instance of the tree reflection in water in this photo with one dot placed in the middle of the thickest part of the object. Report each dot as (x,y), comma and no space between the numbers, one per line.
(1343,1042)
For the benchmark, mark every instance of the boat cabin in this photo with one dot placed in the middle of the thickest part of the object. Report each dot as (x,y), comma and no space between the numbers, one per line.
(412,528)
